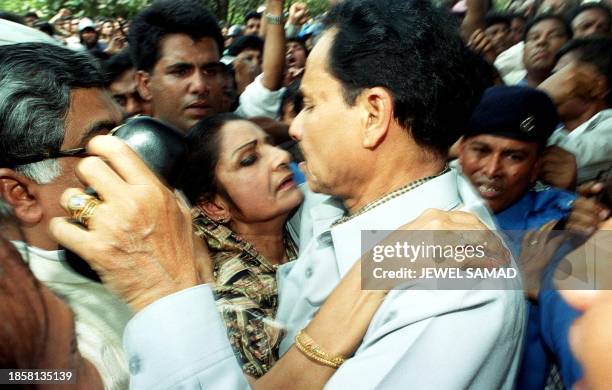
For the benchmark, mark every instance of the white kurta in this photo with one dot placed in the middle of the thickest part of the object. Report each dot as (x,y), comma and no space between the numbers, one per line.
(100,316)
(591,143)
(417,339)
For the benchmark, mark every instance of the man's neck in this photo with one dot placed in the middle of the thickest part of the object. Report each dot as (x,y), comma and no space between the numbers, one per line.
(585,115)
(394,178)
(535,78)
(42,241)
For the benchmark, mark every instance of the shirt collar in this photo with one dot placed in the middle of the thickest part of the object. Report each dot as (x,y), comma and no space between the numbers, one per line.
(391,195)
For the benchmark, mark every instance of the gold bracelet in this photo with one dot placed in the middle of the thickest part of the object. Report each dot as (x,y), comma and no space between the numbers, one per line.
(308,347)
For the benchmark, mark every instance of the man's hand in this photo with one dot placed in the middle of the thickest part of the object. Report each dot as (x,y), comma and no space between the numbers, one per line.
(298,14)
(558,168)
(537,250)
(139,239)
(64,12)
(475,246)
(586,216)
(481,44)
(591,338)
(117,43)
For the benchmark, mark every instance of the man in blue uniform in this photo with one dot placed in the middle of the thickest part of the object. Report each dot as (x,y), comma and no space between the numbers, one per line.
(500,153)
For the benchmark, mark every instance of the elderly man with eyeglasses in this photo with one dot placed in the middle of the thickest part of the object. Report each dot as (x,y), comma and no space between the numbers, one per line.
(53,101)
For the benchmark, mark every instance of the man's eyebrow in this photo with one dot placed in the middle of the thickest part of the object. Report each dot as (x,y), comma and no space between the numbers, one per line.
(180,65)
(212,64)
(479,143)
(250,143)
(98,128)
(518,151)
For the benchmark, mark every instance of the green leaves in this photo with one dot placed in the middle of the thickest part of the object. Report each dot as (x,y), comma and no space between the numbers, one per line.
(231,10)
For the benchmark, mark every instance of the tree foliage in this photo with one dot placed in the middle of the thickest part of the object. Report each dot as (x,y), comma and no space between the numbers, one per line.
(232,11)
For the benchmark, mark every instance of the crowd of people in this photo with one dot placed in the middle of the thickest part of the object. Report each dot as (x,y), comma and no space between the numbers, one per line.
(242,266)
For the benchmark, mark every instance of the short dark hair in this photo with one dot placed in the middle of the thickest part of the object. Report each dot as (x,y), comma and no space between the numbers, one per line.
(11,17)
(36,80)
(293,96)
(165,17)
(593,50)
(496,18)
(30,15)
(45,27)
(198,178)
(246,42)
(300,41)
(116,65)
(541,18)
(412,49)
(251,15)
(587,6)
(517,15)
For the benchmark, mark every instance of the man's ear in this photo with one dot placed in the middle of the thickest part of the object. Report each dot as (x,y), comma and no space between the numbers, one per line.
(215,208)
(458,149)
(377,115)
(143,79)
(601,89)
(21,194)
(535,172)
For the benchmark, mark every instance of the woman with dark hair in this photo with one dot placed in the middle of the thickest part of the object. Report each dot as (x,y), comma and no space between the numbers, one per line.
(107,30)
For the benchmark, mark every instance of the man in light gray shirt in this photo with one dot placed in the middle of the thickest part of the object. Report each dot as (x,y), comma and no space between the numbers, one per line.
(387,90)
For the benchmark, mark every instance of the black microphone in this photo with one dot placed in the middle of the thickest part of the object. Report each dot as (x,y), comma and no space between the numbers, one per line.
(160,146)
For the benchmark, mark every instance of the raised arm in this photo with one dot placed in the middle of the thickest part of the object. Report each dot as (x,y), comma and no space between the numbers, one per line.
(474,17)
(274,48)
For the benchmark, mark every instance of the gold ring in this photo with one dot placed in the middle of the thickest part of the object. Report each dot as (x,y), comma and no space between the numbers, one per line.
(81,207)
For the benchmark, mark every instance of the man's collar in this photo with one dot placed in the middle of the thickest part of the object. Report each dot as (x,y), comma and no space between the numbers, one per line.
(391,195)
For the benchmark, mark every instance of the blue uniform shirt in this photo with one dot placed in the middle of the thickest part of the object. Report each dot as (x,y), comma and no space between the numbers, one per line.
(546,338)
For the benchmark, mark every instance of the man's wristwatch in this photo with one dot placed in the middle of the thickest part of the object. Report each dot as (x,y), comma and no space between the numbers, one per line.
(274,19)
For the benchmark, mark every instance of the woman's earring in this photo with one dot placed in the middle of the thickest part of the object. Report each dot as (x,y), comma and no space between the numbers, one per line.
(221,220)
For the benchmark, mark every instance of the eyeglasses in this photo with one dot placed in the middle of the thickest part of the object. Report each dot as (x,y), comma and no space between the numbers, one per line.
(33,158)
(12,162)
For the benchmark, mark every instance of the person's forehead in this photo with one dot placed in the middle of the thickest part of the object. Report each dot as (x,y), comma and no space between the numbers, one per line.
(250,51)
(498,26)
(182,48)
(317,73)
(589,15)
(88,107)
(499,143)
(547,25)
(236,132)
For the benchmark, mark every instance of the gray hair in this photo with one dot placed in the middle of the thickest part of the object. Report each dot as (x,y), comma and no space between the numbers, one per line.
(35,84)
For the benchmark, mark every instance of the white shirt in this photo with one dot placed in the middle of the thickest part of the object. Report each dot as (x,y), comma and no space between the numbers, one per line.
(100,316)
(257,100)
(11,33)
(591,143)
(509,64)
(418,338)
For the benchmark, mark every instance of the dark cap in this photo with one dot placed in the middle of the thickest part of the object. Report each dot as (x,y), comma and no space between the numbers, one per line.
(521,113)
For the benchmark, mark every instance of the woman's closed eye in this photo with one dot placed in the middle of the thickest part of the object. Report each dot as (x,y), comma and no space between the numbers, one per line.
(249,160)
